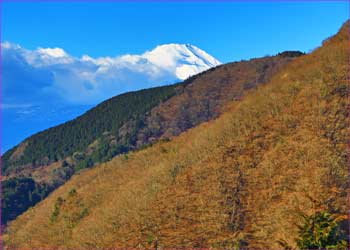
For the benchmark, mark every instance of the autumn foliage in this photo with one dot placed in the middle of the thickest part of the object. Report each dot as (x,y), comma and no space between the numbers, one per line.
(241,181)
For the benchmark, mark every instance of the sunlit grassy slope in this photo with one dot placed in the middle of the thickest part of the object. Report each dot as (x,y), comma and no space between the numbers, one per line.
(243,179)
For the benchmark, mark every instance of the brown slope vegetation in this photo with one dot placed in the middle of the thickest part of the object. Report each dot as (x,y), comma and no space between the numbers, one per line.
(241,180)
(203,97)
(126,122)
(198,99)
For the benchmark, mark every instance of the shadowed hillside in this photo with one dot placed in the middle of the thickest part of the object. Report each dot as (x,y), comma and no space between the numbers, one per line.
(256,177)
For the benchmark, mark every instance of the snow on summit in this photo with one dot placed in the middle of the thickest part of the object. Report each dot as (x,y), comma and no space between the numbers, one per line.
(40,84)
(96,79)
(183,59)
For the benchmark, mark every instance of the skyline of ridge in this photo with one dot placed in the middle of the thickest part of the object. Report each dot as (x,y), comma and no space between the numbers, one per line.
(228,31)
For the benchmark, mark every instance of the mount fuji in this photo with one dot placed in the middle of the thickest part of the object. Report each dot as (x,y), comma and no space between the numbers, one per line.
(183,60)
(48,86)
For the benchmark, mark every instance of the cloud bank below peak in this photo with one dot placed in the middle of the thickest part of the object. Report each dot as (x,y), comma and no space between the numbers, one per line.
(52,75)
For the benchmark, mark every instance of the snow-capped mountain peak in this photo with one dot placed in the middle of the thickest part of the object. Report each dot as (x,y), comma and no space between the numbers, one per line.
(57,80)
(183,59)
(96,79)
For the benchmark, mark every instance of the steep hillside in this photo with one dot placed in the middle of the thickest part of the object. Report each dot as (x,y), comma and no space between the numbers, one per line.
(74,136)
(257,177)
(205,94)
(126,122)
(86,140)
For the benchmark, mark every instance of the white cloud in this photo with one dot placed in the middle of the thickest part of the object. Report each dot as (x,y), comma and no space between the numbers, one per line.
(52,74)
(47,86)
(8,45)
(55,52)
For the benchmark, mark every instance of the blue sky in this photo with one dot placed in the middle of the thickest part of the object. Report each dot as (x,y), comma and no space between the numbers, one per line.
(227,30)
(46,81)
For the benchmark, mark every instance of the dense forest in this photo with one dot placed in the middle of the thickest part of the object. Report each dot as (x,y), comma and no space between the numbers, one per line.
(116,124)
(132,121)
(74,136)
(268,173)
(18,194)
